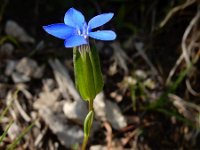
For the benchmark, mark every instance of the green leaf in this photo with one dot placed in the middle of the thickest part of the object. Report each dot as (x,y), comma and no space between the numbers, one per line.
(87,72)
(14,96)
(18,139)
(88,123)
(6,131)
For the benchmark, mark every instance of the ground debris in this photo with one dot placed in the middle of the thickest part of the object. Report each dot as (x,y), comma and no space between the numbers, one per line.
(150,99)
(68,134)
(29,67)
(50,109)
(107,110)
(75,110)
(16,31)
(23,70)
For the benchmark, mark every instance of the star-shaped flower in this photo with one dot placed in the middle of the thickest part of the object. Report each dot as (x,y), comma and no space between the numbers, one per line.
(75,31)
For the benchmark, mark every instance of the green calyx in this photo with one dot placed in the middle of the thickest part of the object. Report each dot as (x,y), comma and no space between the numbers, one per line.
(88,76)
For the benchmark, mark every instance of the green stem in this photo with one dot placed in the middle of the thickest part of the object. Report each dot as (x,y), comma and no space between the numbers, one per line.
(85,140)
(91,108)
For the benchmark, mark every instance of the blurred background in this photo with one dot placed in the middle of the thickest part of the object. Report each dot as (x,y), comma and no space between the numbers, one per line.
(151,71)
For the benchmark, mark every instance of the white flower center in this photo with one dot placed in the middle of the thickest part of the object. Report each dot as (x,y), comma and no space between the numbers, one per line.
(83,31)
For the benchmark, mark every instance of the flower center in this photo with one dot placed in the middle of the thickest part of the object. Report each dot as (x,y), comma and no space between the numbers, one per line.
(83,31)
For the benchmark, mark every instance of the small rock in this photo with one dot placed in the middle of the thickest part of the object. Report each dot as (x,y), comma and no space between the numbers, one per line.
(48,99)
(107,110)
(75,111)
(27,66)
(114,115)
(140,74)
(13,29)
(68,134)
(50,109)
(100,107)
(10,66)
(19,78)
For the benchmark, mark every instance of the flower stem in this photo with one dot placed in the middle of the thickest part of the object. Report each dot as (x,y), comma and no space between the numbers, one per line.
(85,140)
(86,137)
(91,105)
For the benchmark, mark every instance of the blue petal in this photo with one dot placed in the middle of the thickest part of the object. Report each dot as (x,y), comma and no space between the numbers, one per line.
(59,30)
(99,20)
(74,18)
(75,40)
(106,35)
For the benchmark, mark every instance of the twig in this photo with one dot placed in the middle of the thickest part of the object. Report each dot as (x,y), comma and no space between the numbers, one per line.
(135,134)
(175,10)
(190,89)
(21,111)
(182,102)
(10,98)
(173,70)
(186,55)
(186,50)
(108,135)
(40,136)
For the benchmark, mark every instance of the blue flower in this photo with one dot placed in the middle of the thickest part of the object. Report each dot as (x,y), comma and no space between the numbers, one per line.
(75,31)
